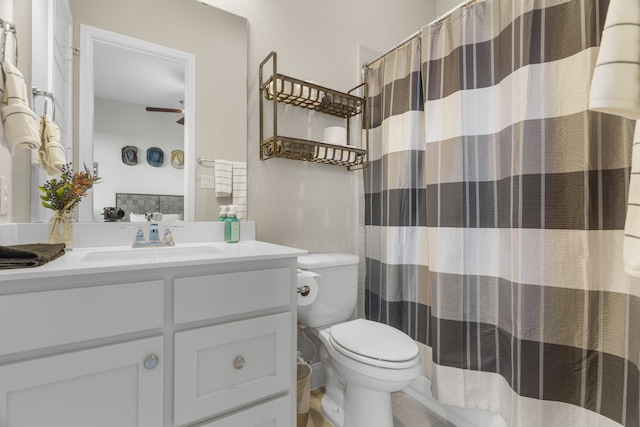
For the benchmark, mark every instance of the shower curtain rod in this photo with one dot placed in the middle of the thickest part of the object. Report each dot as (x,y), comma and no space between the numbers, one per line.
(417,33)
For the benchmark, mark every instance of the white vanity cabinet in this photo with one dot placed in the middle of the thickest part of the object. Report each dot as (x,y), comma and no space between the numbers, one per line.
(103,386)
(207,344)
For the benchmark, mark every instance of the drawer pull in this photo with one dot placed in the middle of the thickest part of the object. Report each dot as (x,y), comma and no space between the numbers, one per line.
(151,361)
(239,362)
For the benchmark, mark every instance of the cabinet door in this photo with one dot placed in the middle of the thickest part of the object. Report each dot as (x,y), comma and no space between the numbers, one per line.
(276,413)
(223,367)
(100,387)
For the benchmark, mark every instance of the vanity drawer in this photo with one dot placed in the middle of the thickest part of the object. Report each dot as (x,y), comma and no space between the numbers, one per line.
(44,319)
(273,413)
(219,368)
(218,295)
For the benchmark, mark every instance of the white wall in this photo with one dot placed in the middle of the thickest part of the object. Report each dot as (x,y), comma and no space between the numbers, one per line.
(313,206)
(118,124)
(444,6)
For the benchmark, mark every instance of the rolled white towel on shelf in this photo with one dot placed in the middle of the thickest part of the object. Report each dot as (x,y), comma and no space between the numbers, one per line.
(281,86)
(335,135)
(325,153)
(344,155)
(309,92)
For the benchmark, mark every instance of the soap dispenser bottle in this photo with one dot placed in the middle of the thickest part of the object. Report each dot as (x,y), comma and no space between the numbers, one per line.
(223,213)
(231,226)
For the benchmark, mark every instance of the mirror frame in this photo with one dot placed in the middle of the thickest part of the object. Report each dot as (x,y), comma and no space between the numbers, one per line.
(90,35)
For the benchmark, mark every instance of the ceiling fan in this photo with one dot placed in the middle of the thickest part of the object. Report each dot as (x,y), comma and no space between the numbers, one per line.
(169,110)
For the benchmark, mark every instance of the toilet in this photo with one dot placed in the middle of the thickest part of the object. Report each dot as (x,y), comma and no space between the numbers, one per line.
(364,361)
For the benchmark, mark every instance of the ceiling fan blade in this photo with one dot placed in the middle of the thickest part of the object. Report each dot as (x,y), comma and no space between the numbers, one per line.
(164,110)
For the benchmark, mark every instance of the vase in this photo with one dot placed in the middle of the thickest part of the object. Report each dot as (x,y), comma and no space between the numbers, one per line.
(61,230)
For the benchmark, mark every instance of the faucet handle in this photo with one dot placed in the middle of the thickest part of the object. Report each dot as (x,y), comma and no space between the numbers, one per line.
(168,237)
(139,236)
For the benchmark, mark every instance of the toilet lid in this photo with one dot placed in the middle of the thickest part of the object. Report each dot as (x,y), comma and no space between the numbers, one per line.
(374,340)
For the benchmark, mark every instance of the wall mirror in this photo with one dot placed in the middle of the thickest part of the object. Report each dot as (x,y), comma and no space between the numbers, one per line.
(205,44)
(134,125)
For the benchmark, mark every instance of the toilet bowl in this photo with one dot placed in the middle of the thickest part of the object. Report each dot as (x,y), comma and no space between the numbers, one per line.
(364,361)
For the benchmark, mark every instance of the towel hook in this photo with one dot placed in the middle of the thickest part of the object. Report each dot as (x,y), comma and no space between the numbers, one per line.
(8,27)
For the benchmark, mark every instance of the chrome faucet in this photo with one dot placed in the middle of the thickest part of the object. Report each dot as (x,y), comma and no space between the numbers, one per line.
(154,236)
(153,232)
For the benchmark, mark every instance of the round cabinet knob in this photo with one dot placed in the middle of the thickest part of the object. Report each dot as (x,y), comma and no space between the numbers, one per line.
(151,361)
(239,362)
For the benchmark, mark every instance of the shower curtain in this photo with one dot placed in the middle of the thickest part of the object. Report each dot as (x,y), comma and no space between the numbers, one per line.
(494,215)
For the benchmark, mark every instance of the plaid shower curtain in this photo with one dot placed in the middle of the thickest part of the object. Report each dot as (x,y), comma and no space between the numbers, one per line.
(495,208)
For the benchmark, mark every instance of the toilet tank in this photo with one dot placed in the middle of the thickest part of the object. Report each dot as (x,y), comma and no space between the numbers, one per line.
(337,288)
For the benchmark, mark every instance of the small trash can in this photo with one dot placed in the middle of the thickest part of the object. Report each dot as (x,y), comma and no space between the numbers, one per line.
(304,394)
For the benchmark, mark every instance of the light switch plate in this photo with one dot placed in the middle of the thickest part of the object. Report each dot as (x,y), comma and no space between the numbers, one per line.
(207,181)
(5,206)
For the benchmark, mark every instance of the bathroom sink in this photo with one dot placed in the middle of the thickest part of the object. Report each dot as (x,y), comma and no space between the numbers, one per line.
(146,255)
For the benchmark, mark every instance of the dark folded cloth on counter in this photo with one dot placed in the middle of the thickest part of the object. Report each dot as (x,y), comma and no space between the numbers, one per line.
(29,255)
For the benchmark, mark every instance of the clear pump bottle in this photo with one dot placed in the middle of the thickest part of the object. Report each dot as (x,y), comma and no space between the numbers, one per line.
(223,213)
(231,226)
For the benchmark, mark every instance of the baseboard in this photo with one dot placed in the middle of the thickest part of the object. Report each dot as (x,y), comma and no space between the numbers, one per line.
(317,375)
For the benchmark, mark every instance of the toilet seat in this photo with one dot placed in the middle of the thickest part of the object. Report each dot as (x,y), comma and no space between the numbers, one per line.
(374,344)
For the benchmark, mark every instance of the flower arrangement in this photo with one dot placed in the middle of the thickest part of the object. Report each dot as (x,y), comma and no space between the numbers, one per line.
(66,192)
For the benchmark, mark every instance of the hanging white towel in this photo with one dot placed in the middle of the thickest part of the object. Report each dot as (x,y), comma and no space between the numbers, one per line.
(18,120)
(223,177)
(615,89)
(240,189)
(51,153)
(632,226)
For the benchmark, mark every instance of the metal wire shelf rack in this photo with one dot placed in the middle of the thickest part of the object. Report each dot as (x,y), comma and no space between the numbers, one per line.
(280,88)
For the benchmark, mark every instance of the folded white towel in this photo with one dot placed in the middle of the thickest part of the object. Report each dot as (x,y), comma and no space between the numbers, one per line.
(51,153)
(18,120)
(615,87)
(240,189)
(632,226)
(223,177)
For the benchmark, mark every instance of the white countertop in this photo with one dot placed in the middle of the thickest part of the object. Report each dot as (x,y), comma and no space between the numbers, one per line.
(90,260)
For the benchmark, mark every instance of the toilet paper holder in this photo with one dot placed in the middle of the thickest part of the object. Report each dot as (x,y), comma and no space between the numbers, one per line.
(304,290)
